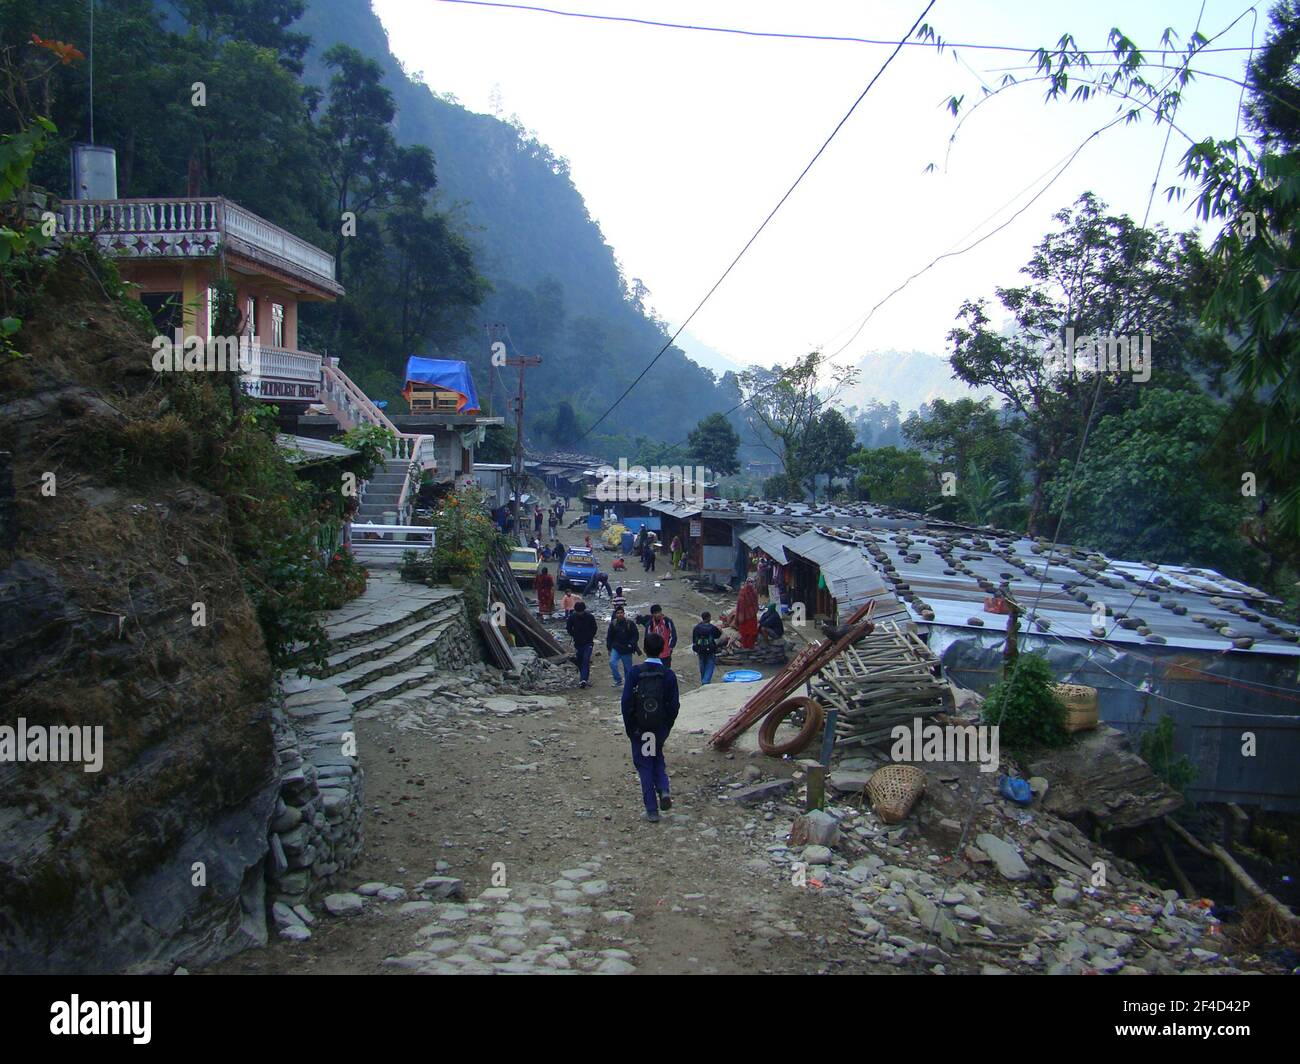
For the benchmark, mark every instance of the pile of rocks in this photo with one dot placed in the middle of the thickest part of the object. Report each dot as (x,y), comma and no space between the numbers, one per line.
(315,831)
(998,906)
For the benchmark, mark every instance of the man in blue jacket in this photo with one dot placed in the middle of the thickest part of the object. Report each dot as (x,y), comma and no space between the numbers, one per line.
(650,704)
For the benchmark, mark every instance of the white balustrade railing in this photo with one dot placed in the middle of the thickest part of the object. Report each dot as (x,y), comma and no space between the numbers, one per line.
(284,364)
(263,234)
(214,215)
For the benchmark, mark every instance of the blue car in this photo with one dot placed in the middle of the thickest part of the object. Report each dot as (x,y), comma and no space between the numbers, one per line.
(578,569)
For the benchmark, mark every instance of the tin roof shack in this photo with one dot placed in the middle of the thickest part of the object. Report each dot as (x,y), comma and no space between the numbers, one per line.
(1172,641)
(493,479)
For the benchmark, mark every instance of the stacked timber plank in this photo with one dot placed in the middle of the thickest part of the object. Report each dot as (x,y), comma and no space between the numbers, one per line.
(798,671)
(519,617)
(888,677)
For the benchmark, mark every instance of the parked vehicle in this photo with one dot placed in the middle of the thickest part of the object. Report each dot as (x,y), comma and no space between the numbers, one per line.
(524,563)
(578,569)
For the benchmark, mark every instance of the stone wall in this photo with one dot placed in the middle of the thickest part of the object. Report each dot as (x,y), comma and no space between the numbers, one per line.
(315,830)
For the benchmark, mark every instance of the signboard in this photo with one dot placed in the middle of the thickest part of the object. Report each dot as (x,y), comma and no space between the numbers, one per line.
(697,528)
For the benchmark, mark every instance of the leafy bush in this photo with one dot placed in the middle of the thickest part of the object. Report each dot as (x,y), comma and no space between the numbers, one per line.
(1157,750)
(1025,706)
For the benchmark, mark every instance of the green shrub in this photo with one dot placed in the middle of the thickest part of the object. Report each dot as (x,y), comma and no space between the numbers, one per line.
(1025,706)
(1157,749)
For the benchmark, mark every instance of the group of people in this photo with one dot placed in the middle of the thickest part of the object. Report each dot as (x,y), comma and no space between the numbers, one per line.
(646,547)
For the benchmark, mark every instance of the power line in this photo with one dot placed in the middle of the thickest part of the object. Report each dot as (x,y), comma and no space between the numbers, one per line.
(822,37)
(780,203)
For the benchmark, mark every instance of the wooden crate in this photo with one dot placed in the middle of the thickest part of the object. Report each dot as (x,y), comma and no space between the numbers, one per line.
(432,401)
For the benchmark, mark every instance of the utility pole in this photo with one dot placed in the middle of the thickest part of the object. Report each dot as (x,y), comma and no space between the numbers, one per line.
(517,477)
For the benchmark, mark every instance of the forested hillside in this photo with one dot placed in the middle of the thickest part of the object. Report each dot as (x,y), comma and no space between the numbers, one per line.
(555,282)
(460,219)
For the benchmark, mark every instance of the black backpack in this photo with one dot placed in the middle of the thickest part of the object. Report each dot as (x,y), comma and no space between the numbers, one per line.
(649,713)
(705,643)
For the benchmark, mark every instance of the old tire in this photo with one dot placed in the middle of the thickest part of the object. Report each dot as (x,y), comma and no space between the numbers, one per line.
(814,720)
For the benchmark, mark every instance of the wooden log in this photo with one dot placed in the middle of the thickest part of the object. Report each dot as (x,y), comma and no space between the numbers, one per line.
(1239,874)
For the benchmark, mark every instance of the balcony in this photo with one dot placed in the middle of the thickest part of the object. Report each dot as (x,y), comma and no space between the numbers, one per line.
(190,228)
(287,376)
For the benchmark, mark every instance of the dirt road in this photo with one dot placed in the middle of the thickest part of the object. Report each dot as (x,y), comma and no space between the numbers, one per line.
(519,800)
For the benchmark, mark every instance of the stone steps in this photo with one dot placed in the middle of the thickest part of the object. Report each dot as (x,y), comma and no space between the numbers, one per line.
(400,659)
(344,632)
(357,652)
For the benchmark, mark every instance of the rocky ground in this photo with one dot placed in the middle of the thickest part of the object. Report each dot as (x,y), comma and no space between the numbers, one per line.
(504,834)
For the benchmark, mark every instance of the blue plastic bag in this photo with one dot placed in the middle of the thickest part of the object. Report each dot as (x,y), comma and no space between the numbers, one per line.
(1015,789)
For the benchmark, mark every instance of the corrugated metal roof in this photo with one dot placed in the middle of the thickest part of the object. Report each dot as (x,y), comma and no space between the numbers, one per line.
(303,450)
(1196,609)
(771,541)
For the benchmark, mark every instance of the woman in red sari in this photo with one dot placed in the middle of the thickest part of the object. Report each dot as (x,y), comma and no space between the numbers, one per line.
(747,614)
(545,587)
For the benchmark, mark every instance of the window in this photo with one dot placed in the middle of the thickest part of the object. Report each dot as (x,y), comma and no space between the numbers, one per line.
(277,325)
(250,318)
(212,309)
(165,309)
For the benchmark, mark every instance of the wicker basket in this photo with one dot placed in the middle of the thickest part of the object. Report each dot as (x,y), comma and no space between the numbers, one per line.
(1080,704)
(893,790)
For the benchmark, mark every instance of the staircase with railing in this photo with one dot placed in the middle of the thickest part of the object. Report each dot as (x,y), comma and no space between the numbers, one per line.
(411,453)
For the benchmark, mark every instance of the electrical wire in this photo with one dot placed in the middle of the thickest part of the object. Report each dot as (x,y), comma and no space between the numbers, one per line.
(832,38)
(780,203)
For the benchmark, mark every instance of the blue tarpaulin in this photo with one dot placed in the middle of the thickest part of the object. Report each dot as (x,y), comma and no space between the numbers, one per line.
(449,374)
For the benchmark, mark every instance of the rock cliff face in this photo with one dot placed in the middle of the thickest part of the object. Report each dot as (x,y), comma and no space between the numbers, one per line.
(155,859)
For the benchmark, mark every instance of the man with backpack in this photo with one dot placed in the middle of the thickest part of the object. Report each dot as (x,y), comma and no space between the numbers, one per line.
(621,642)
(581,625)
(661,624)
(650,705)
(705,637)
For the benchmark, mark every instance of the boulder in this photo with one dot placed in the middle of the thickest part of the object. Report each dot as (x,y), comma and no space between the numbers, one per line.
(1009,863)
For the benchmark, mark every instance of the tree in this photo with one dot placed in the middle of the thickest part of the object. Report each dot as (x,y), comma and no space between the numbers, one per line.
(366,168)
(969,439)
(783,403)
(825,448)
(431,277)
(262,23)
(893,477)
(1154,496)
(715,444)
(1102,276)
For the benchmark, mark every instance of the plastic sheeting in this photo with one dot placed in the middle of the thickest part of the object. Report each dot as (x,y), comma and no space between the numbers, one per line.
(449,374)
(1219,703)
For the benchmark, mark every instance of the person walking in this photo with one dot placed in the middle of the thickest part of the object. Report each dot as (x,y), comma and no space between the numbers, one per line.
(676,548)
(567,603)
(581,626)
(650,705)
(537,521)
(551,523)
(619,600)
(659,623)
(544,585)
(705,638)
(621,641)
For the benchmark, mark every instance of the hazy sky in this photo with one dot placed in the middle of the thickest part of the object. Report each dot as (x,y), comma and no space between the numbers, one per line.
(681,142)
